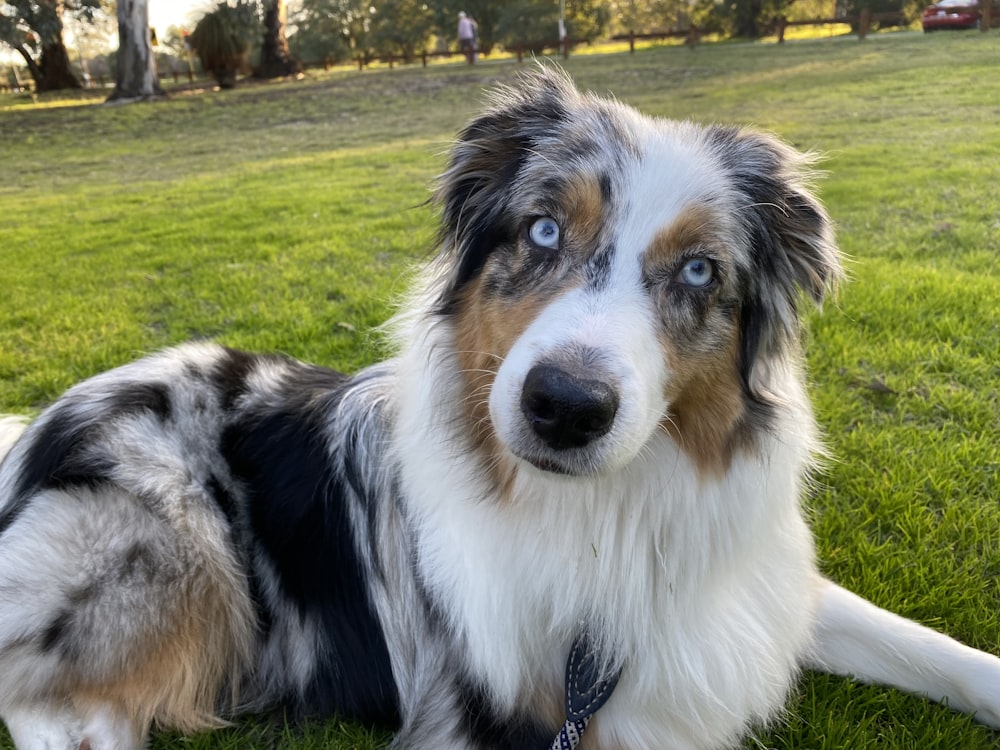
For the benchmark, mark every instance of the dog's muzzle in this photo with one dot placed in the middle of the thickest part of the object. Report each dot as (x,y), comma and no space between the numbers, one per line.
(565,410)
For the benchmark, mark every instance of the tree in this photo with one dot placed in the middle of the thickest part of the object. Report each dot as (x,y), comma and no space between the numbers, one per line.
(136,78)
(89,39)
(532,23)
(275,58)
(223,40)
(34,29)
(331,29)
(651,15)
(747,19)
(401,27)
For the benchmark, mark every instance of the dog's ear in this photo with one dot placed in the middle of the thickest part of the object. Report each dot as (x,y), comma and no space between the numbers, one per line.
(790,239)
(474,191)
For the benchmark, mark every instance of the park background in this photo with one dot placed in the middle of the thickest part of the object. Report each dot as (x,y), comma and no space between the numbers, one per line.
(288,214)
(63,44)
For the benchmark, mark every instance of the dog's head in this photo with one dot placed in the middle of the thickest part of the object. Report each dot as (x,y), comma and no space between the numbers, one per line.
(610,276)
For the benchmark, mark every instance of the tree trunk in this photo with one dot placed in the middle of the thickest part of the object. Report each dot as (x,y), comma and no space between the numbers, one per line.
(52,70)
(748,14)
(36,72)
(275,58)
(55,69)
(136,79)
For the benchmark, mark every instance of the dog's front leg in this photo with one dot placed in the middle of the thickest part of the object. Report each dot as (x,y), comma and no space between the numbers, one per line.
(854,637)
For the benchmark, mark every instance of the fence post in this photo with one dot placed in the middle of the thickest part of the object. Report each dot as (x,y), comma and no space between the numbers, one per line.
(564,43)
(520,53)
(361,62)
(423,58)
(987,15)
(631,42)
(864,23)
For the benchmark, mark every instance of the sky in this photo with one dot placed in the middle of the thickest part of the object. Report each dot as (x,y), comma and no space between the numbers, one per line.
(165,13)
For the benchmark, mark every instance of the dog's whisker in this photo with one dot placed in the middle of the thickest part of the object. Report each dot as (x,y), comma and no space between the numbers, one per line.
(481,353)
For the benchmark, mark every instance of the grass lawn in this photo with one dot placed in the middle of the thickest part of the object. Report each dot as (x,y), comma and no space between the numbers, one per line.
(287,216)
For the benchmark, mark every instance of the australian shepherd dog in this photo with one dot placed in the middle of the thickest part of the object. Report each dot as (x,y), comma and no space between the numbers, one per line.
(571,497)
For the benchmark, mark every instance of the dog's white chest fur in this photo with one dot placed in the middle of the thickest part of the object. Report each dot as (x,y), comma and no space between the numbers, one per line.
(703,587)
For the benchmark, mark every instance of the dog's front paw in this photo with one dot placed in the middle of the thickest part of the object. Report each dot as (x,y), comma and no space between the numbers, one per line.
(42,728)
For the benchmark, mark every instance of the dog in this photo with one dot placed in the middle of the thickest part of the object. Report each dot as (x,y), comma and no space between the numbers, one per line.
(566,513)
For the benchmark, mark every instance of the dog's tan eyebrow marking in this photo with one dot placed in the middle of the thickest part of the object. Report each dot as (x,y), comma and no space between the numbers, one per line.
(694,225)
(586,209)
(586,199)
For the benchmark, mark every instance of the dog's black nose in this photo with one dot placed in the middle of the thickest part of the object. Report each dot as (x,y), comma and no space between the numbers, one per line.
(566,411)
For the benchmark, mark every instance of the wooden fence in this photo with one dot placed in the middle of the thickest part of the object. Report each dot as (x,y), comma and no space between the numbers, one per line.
(862,23)
(692,35)
(563,47)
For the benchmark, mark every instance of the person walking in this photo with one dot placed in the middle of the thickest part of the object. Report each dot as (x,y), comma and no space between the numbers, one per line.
(467,37)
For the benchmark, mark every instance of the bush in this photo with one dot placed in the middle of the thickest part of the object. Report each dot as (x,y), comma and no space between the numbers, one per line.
(223,40)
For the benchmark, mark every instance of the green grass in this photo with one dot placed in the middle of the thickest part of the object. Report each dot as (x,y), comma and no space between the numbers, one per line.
(286,216)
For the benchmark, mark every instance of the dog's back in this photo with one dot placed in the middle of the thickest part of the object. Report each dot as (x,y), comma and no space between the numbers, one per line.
(175,545)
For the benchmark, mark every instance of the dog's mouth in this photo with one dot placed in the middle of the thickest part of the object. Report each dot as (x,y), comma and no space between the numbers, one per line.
(550,466)
(575,464)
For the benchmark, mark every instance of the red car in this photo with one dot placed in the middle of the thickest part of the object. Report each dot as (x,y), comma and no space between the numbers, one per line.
(951,14)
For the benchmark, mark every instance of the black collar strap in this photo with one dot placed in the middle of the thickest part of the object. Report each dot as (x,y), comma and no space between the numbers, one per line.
(585,692)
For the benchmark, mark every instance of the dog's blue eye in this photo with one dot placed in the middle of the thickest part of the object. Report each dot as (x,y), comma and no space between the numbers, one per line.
(697,272)
(544,232)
